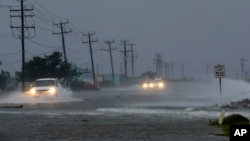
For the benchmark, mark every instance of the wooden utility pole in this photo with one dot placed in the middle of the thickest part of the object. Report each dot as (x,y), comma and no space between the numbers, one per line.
(159,63)
(182,71)
(90,41)
(24,28)
(172,67)
(61,25)
(242,67)
(111,59)
(125,58)
(166,66)
(132,59)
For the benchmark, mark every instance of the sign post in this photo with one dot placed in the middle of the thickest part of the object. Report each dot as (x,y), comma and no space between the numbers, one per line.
(219,72)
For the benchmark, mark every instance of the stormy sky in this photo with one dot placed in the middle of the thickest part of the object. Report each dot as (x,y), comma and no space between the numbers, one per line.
(193,32)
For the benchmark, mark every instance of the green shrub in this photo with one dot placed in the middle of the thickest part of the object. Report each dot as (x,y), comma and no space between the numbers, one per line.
(235,119)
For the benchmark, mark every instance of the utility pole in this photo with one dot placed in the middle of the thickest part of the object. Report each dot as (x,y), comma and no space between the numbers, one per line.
(242,67)
(246,75)
(61,25)
(172,66)
(207,70)
(166,66)
(156,61)
(159,63)
(89,35)
(125,58)
(161,67)
(121,69)
(132,59)
(182,71)
(111,59)
(24,33)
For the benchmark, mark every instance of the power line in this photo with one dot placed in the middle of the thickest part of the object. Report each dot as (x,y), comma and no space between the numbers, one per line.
(49,13)
(6,35)
(12,53)
(42,45)
(5,6)
(42,28)
(41,54)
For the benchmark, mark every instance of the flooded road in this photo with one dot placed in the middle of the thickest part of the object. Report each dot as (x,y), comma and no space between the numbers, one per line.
(180,113)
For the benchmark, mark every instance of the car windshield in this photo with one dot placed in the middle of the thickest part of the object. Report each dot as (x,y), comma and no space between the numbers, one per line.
(44,83)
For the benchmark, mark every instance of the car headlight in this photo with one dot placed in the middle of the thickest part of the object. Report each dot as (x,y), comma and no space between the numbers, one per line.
(160,84)
(32,91)
(52,91)
(145,85)
(151,85)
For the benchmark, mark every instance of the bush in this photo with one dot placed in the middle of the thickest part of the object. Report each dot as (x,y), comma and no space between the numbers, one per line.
(235,119)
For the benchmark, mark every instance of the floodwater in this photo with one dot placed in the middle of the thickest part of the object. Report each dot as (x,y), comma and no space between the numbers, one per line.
(181,112)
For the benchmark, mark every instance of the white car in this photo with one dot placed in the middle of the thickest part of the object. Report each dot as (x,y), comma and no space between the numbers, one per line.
(45,86)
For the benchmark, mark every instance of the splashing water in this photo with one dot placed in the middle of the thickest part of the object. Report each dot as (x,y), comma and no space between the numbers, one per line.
(185,94)
(177,94)
(19,97)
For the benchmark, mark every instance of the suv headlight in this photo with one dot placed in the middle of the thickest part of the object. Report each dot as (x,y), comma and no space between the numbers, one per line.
(32,91)
(160,84)
(52,90)
(145,85)
(151,85)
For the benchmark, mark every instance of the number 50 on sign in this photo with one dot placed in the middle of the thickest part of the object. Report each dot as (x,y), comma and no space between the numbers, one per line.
(219,71)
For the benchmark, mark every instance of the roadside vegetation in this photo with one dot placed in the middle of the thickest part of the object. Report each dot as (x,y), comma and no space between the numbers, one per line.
(235,119)
(48,66)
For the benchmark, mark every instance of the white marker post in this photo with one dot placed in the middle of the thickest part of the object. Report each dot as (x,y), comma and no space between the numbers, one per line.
(219,72)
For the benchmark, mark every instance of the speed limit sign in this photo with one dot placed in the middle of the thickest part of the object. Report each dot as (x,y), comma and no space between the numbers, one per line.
(219,71)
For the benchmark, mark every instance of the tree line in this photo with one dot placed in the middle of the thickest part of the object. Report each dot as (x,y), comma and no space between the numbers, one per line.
(48,66)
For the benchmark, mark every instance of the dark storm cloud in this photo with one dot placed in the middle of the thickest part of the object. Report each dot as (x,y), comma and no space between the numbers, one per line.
(194,32)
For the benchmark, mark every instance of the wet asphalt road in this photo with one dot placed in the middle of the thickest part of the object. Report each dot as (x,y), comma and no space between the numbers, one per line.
(110,115)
